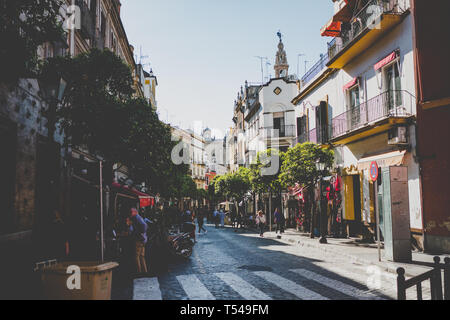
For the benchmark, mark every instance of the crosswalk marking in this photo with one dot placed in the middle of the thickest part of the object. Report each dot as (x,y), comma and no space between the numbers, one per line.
(147,289)
(336,285)
(194,289)
(245,290)
(290,286)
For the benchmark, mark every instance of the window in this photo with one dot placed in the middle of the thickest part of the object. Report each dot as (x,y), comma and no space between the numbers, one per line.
(278,124)
(392,86)
(301,129)
(353,106)
(322,122)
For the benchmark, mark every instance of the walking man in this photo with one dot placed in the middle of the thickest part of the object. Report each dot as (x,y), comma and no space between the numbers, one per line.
(216,218)
(279,220)
(201,220)
(140,239)
(261,222)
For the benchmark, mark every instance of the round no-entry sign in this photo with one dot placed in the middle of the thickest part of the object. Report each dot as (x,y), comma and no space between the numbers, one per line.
(374,171)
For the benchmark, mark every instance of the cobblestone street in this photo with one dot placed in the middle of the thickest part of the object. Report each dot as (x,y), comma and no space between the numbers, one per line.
(241,266)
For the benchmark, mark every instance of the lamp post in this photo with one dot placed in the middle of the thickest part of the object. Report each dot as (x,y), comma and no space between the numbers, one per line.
(323,238)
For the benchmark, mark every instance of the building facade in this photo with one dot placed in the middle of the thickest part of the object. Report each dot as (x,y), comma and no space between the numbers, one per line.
(362,104)
(42,175)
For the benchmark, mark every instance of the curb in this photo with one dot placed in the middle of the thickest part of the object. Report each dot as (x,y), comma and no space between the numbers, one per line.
(385,266)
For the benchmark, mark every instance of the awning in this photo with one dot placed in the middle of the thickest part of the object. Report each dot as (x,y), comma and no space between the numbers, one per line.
(145,200)
(386,160)
(350,84)
(331,29)
(346,13)
(391,57)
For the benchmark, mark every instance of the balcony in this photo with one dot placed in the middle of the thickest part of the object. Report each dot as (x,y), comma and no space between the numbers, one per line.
(319,66)
(373,21)
(87,20)
(283,132)
(316,135)
(373,116)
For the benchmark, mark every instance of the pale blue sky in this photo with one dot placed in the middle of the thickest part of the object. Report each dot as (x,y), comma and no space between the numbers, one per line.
(202,51)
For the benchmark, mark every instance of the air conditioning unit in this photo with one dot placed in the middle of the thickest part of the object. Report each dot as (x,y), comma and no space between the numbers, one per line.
(398,136)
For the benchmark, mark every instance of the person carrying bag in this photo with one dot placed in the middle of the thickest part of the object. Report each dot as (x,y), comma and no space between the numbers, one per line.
(261,222)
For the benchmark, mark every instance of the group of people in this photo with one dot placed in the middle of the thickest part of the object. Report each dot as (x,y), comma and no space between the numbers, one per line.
(279,220)
(219,218)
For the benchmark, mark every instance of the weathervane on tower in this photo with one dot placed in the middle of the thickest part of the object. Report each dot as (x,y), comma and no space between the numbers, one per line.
(281,64)
(280,35)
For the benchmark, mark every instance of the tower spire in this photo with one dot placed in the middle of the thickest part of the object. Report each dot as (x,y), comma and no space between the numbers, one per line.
(281,64)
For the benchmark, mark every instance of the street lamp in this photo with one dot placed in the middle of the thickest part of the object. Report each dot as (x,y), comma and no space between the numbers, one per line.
(52,87)
(323,238)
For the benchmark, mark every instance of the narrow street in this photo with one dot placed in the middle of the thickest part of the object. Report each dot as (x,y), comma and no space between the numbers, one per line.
(242,266)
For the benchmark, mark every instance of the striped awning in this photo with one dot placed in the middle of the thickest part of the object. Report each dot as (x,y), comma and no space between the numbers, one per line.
(391,57)
(385,160)
(331,29)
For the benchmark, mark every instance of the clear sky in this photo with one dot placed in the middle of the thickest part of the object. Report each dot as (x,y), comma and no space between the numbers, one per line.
(202,51)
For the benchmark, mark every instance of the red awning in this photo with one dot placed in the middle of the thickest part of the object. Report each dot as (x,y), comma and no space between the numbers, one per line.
(391,57)
(332,29)
(145,200)
(351,84)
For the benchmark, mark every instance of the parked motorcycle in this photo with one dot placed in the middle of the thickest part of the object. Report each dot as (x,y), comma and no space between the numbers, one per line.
(179,243)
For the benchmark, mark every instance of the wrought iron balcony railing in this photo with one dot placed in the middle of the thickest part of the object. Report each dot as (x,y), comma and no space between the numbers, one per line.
(390,104)
(283,132)
(366,18)
(317,135)
(318,66)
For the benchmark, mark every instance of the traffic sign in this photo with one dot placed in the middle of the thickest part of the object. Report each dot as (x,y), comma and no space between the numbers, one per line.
(374,171)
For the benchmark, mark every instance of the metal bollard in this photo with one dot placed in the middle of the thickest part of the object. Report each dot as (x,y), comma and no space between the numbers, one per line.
(437,287)
(447,278)
(401,290)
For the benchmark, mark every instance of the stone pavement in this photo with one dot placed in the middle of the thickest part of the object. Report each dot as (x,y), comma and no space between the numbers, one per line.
(356,252)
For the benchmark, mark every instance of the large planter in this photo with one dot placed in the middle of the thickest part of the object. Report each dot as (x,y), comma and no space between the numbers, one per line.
(95,280)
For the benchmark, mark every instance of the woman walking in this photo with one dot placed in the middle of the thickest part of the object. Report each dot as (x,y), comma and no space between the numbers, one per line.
(261,222)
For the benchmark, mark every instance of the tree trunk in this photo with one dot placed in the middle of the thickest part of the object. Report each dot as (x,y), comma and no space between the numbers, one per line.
(311,198)
(270,210)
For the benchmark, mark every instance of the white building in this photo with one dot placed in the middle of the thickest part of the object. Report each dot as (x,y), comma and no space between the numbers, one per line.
(269,113)
(194,146)
(360,100)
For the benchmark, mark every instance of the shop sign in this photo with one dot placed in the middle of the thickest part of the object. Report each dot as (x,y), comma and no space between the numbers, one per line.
(374,171)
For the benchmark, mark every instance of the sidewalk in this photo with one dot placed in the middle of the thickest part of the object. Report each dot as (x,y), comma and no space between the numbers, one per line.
(359,253)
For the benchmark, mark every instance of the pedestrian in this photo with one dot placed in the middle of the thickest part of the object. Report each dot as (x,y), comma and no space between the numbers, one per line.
(216,218)
(140,238)
(261,222)
(201,221)
(222,218)
(280,221)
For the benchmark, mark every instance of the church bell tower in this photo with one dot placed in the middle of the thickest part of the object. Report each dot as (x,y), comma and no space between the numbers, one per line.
(281,64)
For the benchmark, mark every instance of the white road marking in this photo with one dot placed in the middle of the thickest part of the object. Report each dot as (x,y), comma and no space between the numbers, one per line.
(147,289)
(336,285)
(246,290)
(194,288)
(290,286)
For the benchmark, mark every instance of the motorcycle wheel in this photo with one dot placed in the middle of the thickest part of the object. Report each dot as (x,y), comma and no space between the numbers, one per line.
(187,253)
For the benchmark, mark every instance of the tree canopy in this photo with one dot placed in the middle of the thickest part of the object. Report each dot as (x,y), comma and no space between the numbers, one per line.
(264,173)
(101,113)
(24,25)
(233,185)
(299,165)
